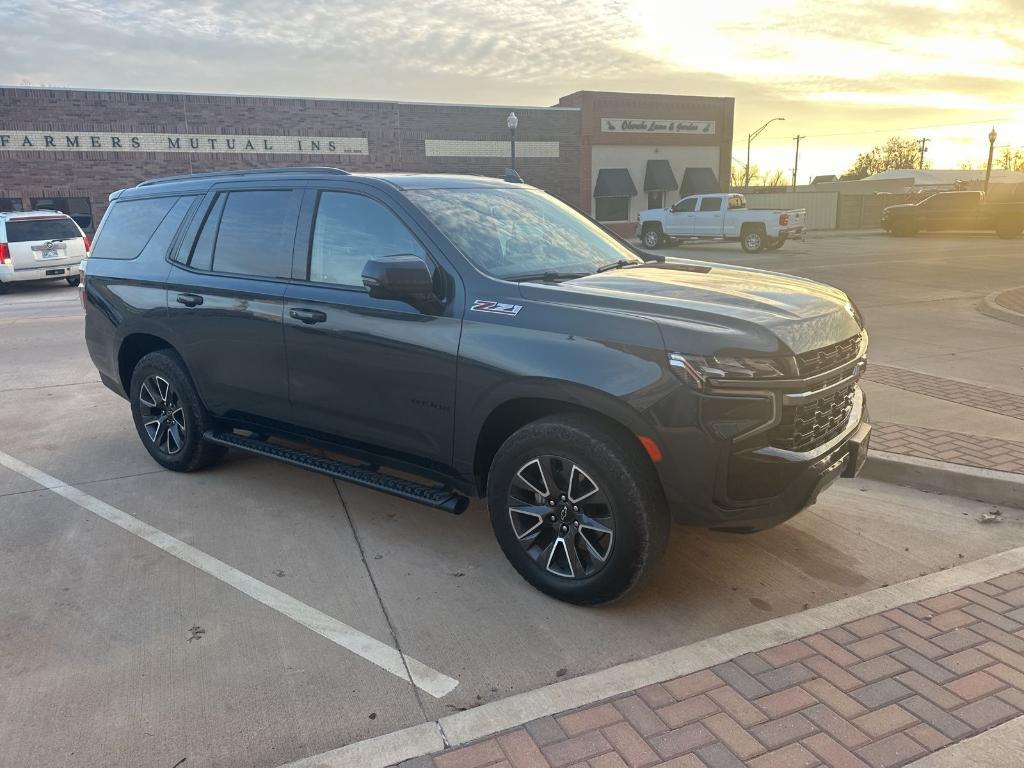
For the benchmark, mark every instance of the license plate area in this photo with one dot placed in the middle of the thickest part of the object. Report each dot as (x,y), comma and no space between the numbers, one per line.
(51,272)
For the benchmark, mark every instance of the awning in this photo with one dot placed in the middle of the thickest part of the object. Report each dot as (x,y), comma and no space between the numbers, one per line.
(659,177)
(614,182)
(699,181)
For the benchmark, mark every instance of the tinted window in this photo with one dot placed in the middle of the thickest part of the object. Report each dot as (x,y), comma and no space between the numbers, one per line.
(686,205)
(255,234)
(128,226)
(350,230)
(711,204)
(655,200)
(27,230)
(202,253)
(161,239)
(611,208)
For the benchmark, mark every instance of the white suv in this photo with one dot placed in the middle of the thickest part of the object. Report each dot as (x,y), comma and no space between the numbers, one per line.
(40,245)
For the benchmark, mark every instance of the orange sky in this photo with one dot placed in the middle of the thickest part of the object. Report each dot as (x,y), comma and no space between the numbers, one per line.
(845,73)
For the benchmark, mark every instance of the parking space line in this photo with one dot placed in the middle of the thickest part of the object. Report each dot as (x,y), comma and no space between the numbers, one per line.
(384,656)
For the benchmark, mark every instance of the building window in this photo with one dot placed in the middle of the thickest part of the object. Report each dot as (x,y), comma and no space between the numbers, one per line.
(611,208)
(655,200)
(8,204)
(78,208)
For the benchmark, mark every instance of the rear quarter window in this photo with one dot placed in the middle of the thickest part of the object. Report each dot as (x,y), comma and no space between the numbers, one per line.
(30,230)
(133,226)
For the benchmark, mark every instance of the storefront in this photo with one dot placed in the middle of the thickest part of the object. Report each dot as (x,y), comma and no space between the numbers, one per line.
(609,154)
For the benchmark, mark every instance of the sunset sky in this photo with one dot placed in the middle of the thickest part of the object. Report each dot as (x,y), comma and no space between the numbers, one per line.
(845,73)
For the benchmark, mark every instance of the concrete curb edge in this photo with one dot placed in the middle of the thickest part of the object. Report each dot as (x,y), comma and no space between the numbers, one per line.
(987,485)
(989,306)
(496,716)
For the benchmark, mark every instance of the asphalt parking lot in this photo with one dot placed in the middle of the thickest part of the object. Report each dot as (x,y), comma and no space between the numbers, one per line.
(254,627)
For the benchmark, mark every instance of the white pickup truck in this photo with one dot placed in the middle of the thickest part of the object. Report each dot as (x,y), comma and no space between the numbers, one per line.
(720,217)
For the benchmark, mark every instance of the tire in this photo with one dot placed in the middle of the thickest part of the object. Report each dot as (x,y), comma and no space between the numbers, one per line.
(753,240)
(775,243)
(74,281)
(161,394)
(4,288)
(652,238)
(621,505)
(1009,230)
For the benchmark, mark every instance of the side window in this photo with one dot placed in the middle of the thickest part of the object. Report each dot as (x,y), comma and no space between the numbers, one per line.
(713,204)
(687,205)
(255,233)
(736,202)
(130,224)
(349,230)
(202,252)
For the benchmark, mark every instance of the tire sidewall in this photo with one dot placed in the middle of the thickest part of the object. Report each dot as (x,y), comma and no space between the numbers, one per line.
(652,234)
(638,531)
(756,247)
(169,366)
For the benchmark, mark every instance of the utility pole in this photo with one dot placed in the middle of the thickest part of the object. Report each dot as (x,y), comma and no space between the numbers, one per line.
(924,149)
(796,160)
(750,139)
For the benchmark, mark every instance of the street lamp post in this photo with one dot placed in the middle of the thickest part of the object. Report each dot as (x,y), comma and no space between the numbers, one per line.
(513,121)
(750,138)
(991,148)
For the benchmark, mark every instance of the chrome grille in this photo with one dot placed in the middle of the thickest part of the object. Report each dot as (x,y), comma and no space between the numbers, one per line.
(806,426)
(825,359)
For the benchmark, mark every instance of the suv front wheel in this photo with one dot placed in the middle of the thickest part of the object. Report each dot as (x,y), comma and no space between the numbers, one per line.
(576,508)
(168,414)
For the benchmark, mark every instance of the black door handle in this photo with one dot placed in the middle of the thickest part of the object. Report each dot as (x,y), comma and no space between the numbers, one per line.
(189,299)
(308,316)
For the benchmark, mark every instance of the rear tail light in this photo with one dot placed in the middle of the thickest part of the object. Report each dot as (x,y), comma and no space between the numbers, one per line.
(87,241)
(784,219)
(5,254)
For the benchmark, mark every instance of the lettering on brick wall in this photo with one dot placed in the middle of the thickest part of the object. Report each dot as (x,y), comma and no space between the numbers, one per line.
(58,141)
(649,125)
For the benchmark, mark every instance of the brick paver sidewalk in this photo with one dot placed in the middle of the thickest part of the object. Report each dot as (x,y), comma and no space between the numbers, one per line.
(1012,299)
(955,447)
(880,691)
(974,396)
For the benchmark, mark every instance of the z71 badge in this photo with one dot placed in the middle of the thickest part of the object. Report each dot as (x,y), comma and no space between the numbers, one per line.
(495,307)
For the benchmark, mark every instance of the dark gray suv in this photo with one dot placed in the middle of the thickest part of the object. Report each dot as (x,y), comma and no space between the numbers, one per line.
(484,338)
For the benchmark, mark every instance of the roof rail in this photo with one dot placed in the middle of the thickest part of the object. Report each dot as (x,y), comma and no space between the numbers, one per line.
(244,172)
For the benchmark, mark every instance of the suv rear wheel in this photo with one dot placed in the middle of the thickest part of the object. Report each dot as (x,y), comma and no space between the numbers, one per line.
(576,508)
(168,414)
(753,239)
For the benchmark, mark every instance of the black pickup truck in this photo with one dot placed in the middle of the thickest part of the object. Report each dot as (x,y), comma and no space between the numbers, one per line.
(952,211)
(445,337)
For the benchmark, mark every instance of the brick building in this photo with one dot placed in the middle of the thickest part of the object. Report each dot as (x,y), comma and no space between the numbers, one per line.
(609,154)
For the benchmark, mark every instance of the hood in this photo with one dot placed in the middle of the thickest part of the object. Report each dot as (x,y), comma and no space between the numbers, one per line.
(705,308)
(899,208)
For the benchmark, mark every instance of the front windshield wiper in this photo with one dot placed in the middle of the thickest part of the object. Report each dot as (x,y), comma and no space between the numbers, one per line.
(617,265)
(545,277)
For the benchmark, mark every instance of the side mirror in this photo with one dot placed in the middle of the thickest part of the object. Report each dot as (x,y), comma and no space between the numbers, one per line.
(404,277)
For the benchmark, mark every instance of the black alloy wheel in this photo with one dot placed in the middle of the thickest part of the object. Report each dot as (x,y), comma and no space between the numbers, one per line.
(561,518)
(163,416)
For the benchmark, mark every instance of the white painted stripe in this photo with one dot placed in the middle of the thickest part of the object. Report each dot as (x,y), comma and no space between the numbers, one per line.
(384,656)
(473,148)
(389,749)
(497,716)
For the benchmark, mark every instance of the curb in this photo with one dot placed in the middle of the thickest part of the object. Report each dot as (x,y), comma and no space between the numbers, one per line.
(488,719)
(987,485)
(989,306)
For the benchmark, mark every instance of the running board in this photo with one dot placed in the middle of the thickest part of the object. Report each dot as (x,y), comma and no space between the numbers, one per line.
(432,496)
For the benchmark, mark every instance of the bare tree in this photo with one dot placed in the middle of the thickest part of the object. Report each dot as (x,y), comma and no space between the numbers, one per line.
(896,153)
(738,174)
(776,178)
(1011,159)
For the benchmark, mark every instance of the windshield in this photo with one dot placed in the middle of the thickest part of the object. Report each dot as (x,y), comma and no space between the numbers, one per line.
(516,233)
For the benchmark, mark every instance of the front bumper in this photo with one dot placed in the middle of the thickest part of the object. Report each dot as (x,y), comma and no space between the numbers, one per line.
(47,272)
(710,483)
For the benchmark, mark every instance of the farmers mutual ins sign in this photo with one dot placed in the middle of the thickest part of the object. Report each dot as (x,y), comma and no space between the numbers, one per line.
(59,141)
(633,125)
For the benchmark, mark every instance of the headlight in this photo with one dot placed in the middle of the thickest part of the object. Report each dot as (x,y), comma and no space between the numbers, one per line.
(697,370)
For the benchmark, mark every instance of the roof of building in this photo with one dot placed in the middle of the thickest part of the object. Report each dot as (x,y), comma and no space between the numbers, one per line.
(942,177)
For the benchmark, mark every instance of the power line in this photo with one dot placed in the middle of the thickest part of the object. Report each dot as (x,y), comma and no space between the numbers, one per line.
(908,130)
